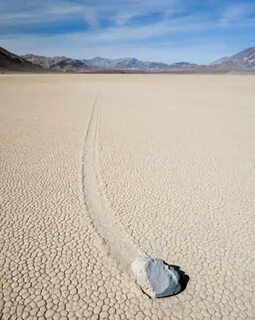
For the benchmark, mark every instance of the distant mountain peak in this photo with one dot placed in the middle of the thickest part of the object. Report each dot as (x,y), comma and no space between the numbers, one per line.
(243,59)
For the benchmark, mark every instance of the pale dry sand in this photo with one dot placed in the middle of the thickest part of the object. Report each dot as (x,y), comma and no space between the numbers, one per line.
(97,168)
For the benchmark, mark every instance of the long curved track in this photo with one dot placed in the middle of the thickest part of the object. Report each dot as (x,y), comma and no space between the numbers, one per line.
(113,234)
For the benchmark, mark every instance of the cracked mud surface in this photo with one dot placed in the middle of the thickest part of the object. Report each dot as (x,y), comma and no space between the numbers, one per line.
(168,161)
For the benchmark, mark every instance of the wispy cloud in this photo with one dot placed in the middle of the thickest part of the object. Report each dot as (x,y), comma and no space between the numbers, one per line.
(201,51)
(17,11)
(118,13)
(238,13)
(154,28)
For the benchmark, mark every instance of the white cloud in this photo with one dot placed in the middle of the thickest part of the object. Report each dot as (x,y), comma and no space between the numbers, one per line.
(202,51)
(120,35)
(238,14)
(13,14)
(16,12)
(121,38)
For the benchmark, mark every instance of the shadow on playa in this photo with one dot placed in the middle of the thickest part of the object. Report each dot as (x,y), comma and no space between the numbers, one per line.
(184,278)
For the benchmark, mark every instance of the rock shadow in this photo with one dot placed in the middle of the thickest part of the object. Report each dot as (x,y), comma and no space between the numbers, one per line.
(184,278)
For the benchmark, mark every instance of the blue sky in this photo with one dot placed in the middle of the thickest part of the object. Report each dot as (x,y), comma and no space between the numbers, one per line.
(156,30)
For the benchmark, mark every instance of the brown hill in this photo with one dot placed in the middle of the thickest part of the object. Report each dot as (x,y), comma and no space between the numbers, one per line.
(10,62)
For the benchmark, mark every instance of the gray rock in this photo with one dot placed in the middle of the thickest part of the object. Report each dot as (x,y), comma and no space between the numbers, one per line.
(156,278)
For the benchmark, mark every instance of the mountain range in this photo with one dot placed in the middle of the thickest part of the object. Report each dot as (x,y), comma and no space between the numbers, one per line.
(243,61)
(98,63)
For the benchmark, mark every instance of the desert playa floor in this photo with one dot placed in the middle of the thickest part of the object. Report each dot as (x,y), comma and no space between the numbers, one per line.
(97,168)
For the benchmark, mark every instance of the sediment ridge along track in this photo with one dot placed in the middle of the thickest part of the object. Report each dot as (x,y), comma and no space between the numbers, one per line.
(117,241)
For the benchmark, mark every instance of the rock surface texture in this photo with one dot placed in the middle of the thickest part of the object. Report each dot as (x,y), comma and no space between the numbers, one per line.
(156,279)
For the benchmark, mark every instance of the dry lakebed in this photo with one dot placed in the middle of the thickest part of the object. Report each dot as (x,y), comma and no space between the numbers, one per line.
(98,169)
